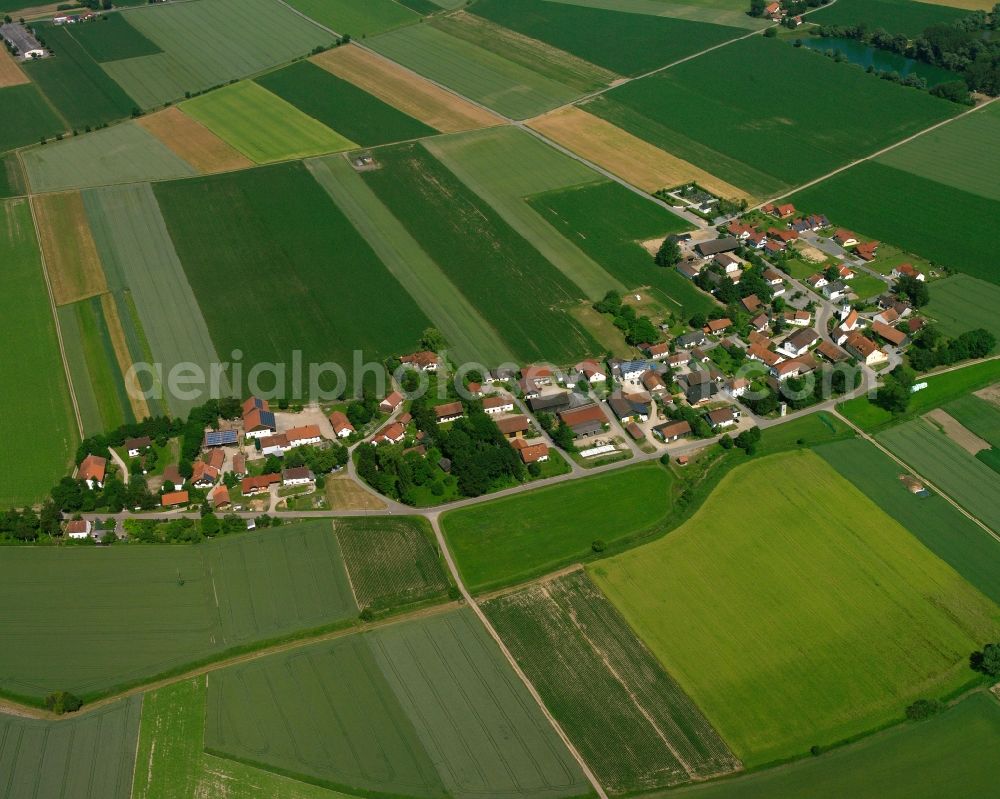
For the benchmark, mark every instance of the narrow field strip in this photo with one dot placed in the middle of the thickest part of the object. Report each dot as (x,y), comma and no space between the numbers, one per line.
(10,73)
(193,142)
(71,258)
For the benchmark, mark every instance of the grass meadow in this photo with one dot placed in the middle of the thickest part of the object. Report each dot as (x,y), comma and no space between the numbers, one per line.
(357,19)
(140,610)
(263,126)
(27,117)
(815,631)
(895,16)
(269,245)
(89,757)
(962,302)
(42,431)
(513,539)
(630,721)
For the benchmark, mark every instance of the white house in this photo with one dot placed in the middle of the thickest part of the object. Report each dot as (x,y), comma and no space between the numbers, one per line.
(497,405)
(80,528)
(274,445)
(298,476)
(300,436)
(799,342)
(342,427)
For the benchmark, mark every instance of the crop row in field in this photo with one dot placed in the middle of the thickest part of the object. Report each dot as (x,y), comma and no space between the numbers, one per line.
(960,303)
(815,632)
(630,721)
(357,19)
(27,117)
(89,757)
(111,38)
(895,16)
(979,416)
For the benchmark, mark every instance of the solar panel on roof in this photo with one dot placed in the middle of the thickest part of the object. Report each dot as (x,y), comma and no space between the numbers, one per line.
(215,438)
(267,417)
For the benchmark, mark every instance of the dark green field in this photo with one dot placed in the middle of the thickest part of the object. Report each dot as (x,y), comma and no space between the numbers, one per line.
(980,416)
(12,182)
(628,44)
(894,16)
(500,273)
(26,118)
(941,528)
(946,225)
(268,245)
(741,113)
(340,105)
(608,222)
(111,38)
(75,83)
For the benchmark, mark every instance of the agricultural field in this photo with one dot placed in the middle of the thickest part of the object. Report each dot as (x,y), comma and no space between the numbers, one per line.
(391,562)
(498,271)
(33,390)
(950,535)
(71,259)
(357,19)
(27,117)
(474,72)
(342,106)
(815,631)
(139,258)
(404,90)
(960,303)
(111,38)
(267,244)
(910,17)
(970,482)
(720,12)
(630,721)
(513,539)
(628,44)
(123,153)
(11,176)
(979,416)
(10,73)
(192,142)
(951,755)
(415,708)
(708,111)
(263,126)
(89,757)
(145,610)
(207,43)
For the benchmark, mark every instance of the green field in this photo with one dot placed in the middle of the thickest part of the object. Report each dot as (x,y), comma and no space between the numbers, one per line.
(124,153)
(89,757)
(359,19)
(342,106)
(76,84)
(979,416)
(97,379)
(206,43)
(261,125)
(894,16)
(142,610)
(27,117)
(513,539)
(172,762)
(497,270)
(11,176)
(139,257)
(951,536)
(269,244)
(951,755)
(630,721)
(112,38)
(721,12)
(33,391)
(629,44)
(608,222)
(804,629)
(945,225)
(415,709)
(962,303)
(970,482)
(709,111)
(474,72)
(391,562)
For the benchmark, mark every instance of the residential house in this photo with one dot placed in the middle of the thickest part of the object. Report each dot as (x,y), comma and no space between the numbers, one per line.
(540,374)
(585,420)
(174,499)
(915,325)
(592,371)
(274,445)
(773,247)
(700,393)
(514,426)
(672,431)
(448,412)
(653,383)
(756,240)
(393,434)
(220,498)
(391,403)
(531,453)
(787,209)
(738,386)
(678,359)
(203,475)
(799,342)
(78,528)
(92,470)
(865,350)
(658,352)
(722,418)
(689,340)
(698,355)
(716,326)
(890,301)
(760,323)
(758,352)
(908,270)
(301,436)
(816,281)
(786,237)
(239,464)
(630,371)
(502,374)
(887,316)
(850,320)
(529,390)
(172,477)
(796,367)
(845,238)
(730,263)
(845,272)
(342,427)
(259,423)
(216,459)
(773,277)
(835,290)
(752,303)
(622,409)
(740,230)
(498,404)
(258,485)
(831,352)
(798,318)
(867,250)
(895,337)
(297,476)
(135,446)
(424,361)
(689,269)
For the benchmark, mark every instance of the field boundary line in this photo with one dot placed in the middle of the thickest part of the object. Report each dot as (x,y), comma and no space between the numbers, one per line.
(433,518)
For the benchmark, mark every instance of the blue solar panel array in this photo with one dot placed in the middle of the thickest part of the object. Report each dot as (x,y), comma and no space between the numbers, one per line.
(217,438)
(257,402)
(267,417)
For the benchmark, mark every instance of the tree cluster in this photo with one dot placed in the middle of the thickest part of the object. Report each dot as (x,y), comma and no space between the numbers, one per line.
(637,329)
(916,292)
(188,531)
(561,435)
(930,348)
(987,661)
(60,702)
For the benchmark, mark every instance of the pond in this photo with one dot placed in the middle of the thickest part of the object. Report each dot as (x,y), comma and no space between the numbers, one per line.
(866,55)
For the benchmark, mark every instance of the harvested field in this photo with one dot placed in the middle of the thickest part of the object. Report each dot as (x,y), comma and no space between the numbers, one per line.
(804,615)
(391,562)
(636,161)
(345,493)
(952,428)
(71,259)
(630,721)
(10,73)
(193,142)
(405,90)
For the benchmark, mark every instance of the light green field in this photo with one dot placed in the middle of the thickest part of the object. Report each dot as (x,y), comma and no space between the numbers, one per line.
(956,154)
(89,757)
(209,42)
(138,255)
(470,337)
(792,626)
(120,154)
(506,87)
(967,480)
(171,762)
(721,12)
(34,396)
(504,166)
(261,125)
(359,19)
(961,302)
(979,416)
(138,611)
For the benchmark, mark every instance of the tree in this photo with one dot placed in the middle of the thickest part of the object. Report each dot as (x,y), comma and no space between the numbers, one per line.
(669,253)
(987,660)
(923,709)
(914,290)
(748,440)
(770,33)
(60,702)
(210,525)
(431,339)
(757,8)
(831,273)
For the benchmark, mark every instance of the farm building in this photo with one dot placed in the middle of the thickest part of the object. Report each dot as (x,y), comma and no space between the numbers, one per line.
(258,485)
(174,499)
(342,427)
(220,438)
(391,403)
(297,476)
(259,423)
(172,477)
(672,431)
(584,421)
(220,499)
(448,412)
(301,436)
(514,426)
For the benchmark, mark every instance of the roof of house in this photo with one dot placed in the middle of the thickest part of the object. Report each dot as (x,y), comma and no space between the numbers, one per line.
(843,235)
(715,325)
(422,359)
(715,246)
(304,433)
(513,424)
(635,431)
(794,366)
(863,345)
(239,463)
(621,406)
(889,315)
(221,497)
(908,269)
(670,429)
(255,402)
(831,352)
(890,334)
(761,353)
(393,432)
(583,415)
(549,402)
(497,402)
(652,381)
(448,409)
(171,474)
(297,473)
(751,303)
(589,368)
(392,400)
(851,319)
(249,484)
(866,250)
(279,440)
(802,338)
(339,421)
(216,458)
(201,471)
(720,415)
(691,339)
(172,498)
(78,526)
(138,443)
(532,453)
(93,467)
(257,419)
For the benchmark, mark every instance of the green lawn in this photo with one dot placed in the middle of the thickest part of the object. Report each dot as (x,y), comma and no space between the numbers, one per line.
(815,630)
(27,117)
(359,19)
(111,37)
(961,302)
(513,539)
